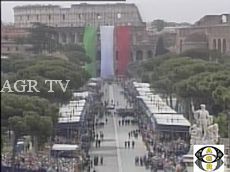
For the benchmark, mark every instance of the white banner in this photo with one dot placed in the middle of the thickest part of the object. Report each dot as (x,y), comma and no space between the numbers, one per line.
(107,49)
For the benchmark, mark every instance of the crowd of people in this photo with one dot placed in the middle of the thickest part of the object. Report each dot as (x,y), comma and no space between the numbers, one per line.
(40,162)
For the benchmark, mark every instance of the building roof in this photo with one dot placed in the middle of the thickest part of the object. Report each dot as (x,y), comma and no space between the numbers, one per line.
(69,120)
(160,111)
(171,119)
(72,112)
(138,84)
(83,94)
(64,147)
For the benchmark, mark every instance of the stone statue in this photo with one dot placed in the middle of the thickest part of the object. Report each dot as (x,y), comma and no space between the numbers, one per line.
(202,118)
(203,130)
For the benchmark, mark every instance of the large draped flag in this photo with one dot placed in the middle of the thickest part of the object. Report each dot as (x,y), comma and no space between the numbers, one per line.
(123,38)
(90,45)
(107,51)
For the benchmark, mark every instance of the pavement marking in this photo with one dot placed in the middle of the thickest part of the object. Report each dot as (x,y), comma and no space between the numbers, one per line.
(116,136)
(117,145)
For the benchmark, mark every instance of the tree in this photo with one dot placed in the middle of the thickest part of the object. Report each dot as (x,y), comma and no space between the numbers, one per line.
(159,24)
(42,38)
(39,127)
(222,121)
(18,126)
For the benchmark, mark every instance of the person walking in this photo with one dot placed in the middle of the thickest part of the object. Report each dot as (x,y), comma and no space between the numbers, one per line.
(141,161)
(101,134)
(125,144)
(128,144)
(133,144)
(99,143)
(91,163)
(101,160)
(97,136)
(136,160)
(119,122)
(106,120)
(96,143)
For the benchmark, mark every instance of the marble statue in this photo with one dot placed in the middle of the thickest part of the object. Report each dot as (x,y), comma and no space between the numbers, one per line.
(204,130)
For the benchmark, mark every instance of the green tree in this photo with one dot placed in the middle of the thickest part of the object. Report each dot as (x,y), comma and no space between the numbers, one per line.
(42,38)
(18,126)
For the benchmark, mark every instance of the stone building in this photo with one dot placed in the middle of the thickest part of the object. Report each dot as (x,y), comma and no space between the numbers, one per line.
(10,36)
(210,32)
(78,15)
(70,23)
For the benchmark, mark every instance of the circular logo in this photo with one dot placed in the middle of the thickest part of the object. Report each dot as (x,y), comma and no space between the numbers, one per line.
(209,158)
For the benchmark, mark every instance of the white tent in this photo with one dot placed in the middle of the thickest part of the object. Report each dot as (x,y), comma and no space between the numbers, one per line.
(171,119)
(64,147)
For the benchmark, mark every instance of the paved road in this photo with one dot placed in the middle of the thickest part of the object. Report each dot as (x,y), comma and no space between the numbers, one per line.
(117,158)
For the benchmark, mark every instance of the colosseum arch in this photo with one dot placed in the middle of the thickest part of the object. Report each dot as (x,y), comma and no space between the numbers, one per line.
(149,54)
(214,44)
(224,46)
(63,37)
(139,55)
(219,45)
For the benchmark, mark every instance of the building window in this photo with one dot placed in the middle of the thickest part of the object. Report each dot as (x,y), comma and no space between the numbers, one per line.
(20,17)
(16,48)
(181,43)
(219,45)
(49,16)
(118,15)
(28,17)
(37,16)
(8,48)
(224,46)
(224,19)
(150,54)
(5,37)
(72,38)
(214,44)
(79,16)
(98,16)
(64,38)
(63,16)
(139,55)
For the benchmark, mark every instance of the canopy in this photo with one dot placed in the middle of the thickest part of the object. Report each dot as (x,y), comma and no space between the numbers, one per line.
(171,119)
(64,147)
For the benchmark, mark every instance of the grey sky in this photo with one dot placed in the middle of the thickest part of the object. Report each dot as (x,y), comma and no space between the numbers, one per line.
(169,10)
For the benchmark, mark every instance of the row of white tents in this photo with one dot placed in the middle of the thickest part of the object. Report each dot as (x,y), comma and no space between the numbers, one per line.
(157,109)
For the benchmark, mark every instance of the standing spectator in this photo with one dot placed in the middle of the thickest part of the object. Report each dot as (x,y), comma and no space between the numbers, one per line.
(133,144)
(101,160)
(99,143)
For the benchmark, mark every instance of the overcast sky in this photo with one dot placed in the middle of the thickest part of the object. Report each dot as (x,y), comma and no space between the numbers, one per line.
(169,10)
